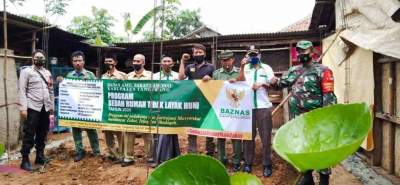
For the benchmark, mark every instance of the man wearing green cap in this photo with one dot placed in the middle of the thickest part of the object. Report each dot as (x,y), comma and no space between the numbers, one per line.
(312,87)
(228,72)
(258,75)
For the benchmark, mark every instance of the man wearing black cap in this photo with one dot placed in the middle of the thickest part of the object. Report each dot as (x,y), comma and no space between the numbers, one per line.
(258,75)
(200,69)
(228,72)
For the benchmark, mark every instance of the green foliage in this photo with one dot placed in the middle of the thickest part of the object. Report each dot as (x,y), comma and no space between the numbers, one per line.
(177,23)
(127,24)
(145,19)
(182,23)
(99,23)
(52,7)
(323,137)
(244,179)
(35,18)
(56,7)
(197,169)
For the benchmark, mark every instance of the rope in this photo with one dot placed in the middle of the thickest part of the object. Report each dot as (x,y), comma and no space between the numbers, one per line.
(8,104)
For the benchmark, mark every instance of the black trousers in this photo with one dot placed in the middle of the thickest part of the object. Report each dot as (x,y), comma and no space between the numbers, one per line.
(35,131)
(262,121)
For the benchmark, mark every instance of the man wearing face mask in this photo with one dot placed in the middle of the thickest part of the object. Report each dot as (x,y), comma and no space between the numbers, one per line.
(110,63)
(258,75)
(139,73)
(168,144)
(230,73)
(79,72)
(312,87)
(200,69)
(37,103)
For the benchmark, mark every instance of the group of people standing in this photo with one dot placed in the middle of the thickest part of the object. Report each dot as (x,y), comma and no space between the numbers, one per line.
(311,85)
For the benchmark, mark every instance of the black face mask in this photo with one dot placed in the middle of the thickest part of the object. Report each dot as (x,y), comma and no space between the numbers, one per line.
(39,62)
(304,58)
(137,67)
(198,59)
(108,66)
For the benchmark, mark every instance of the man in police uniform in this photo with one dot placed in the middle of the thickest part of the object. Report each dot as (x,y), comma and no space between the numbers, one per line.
(139,73)
(37,103)
(228,72)
(110,63)
(258,75)
(312,87)
(79,72)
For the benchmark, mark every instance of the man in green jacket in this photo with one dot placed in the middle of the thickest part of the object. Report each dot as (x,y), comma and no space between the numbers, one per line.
(79,72)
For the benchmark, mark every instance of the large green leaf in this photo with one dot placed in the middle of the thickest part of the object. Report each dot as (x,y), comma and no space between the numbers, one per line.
(145,19)
(190,170)
(323,137)
(244,179)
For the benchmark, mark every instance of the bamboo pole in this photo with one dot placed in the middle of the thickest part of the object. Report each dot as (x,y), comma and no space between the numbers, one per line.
(281,104)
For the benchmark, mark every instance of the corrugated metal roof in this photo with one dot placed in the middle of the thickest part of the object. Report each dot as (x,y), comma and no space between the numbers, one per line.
(39,25)
(250,36)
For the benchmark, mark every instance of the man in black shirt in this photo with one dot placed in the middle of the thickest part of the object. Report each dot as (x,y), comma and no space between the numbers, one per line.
(199,69)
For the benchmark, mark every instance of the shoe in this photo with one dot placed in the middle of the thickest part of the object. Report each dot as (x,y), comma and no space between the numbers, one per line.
(26,164)
(112,158)
(267,171)
(307,179)
(247,168)
(236,167)
(323,179)
(127,162)
(79,156)
(41,159)
(95,154)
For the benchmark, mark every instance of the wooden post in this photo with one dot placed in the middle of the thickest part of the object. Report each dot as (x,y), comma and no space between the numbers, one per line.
(376,157)
(33,41)
(387,127)
(397,130)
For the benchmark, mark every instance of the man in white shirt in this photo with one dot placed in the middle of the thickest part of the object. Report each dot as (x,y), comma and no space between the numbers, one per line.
(258,75)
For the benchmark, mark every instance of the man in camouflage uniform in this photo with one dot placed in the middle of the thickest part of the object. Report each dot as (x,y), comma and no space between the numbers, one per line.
(110,63)
(79,72)
(312,87)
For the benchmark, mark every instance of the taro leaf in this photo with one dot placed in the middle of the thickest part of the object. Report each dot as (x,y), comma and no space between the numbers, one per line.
(1,149)
(323,137)
(190,170)
(244,179)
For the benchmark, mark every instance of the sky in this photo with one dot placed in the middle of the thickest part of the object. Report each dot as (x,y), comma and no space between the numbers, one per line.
(224,16)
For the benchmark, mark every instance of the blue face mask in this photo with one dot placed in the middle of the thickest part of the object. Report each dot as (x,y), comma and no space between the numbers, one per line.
(254,60)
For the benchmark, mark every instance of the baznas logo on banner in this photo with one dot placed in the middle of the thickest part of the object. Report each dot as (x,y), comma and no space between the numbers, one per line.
(234,96)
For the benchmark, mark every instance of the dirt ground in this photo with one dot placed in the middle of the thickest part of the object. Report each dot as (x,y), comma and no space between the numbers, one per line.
(97,170)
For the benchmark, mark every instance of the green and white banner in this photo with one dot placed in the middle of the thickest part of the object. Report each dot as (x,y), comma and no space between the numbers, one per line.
(214,108)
